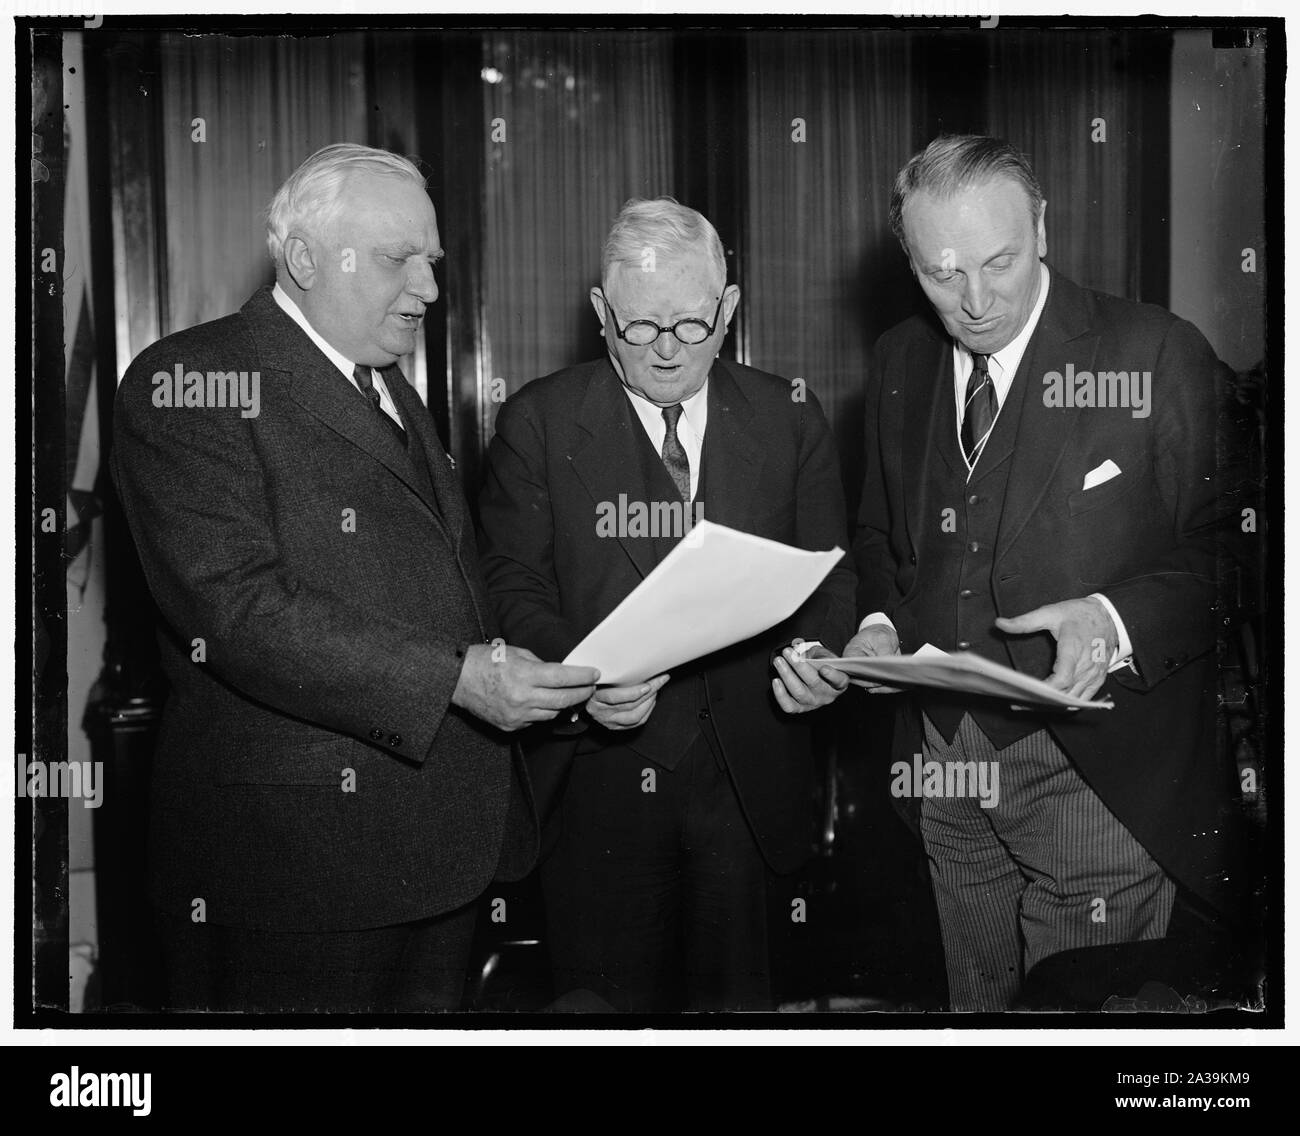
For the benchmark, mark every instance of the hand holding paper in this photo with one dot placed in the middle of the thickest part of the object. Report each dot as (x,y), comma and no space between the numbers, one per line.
(1085,641)
(874,640)
(801,685)
(963,673)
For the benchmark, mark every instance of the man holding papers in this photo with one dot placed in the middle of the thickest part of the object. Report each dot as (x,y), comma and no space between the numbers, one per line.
(671,801)
(1041,490)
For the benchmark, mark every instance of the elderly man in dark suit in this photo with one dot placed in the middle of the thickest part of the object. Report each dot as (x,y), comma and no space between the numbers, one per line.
(680,795)
(1042,489)
(334,783)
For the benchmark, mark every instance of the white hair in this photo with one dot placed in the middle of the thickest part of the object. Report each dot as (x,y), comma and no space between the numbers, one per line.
(309,197)
(664,228)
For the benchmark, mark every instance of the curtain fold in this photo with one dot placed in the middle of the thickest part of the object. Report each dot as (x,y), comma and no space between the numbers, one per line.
(576,123)
(831,117)
(265,103)
(1071,101)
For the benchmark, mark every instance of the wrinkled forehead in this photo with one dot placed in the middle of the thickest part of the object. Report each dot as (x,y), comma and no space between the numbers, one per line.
(681,279)
(386,207)
(989,211)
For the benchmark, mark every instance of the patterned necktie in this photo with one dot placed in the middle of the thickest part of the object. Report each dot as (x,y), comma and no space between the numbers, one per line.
(362,375)
(981,409)
(674,456)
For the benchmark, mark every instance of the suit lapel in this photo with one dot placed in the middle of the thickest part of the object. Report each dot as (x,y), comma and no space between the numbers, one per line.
(318,387)
(1043,432)
(929,426)
(733,453)
(448,497)
(605,460)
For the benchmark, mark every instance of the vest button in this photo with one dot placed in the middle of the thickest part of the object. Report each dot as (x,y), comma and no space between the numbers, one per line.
(963,645)
(973,499)
(704,714)
(974,546)
(965,593)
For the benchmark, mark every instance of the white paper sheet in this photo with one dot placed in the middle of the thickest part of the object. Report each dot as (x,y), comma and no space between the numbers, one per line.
(964,673)
(719,586)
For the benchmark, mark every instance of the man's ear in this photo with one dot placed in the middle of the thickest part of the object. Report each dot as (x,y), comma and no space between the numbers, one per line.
(299,262)
(1042,231)
(730,298)
(597,298)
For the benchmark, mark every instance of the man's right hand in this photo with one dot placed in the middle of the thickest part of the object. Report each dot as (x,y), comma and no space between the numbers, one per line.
(625,707)
(874,639)
(510,687)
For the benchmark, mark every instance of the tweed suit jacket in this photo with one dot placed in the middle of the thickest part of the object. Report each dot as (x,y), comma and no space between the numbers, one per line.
(318,585)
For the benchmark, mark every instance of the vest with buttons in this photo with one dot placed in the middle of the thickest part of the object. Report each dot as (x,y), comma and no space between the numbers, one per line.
(955,609)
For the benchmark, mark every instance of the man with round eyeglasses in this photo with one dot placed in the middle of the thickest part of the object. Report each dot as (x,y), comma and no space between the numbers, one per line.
(671,806)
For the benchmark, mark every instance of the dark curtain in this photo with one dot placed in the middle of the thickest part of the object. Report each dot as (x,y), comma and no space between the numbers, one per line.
(266,104)
(823,276)
(575,123)
(1074,102)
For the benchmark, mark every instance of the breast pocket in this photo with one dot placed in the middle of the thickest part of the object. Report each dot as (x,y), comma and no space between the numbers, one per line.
(1085,500)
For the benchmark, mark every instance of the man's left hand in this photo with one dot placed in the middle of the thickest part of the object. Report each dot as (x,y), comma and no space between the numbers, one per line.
(800,686)
(1086,640)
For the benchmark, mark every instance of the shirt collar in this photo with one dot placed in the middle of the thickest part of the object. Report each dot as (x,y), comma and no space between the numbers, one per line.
(694,408)
(295,313)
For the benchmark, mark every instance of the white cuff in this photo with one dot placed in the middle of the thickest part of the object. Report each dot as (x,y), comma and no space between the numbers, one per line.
(1123,655)
(874,618)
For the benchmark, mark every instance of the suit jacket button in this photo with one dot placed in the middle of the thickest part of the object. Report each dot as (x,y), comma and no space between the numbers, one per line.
(912,558)
(963,645)
(376,735)
(395,740)
(1170,664)
(974,546)
(966,593)
(704,714)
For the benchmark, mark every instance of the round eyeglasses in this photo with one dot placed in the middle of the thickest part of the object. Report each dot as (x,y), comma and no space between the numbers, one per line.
(642,333)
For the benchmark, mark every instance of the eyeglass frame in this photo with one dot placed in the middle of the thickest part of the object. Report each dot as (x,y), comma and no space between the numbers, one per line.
(713,327)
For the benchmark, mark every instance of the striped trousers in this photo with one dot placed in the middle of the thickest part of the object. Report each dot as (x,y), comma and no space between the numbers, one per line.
(1037,867)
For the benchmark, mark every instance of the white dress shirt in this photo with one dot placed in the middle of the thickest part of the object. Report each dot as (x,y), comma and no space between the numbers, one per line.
(1003,364)
(1002,371)
(690,426)
(345,367)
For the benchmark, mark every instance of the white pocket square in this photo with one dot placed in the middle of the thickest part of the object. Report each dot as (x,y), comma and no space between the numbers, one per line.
(1101,474)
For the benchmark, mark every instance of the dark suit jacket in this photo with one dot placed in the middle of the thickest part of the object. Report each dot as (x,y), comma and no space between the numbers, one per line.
(326,650)
(1146,539)
(563,445)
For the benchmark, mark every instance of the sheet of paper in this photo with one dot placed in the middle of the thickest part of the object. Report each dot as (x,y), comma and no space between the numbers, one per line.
(964,673)
(719,586)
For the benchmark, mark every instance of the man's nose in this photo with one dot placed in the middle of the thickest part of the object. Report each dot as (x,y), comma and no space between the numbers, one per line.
(421,284)
(667,345)
(977,297)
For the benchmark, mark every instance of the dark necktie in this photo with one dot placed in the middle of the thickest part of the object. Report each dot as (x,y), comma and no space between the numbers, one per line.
(364,381)
(981,409)
(674,456)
